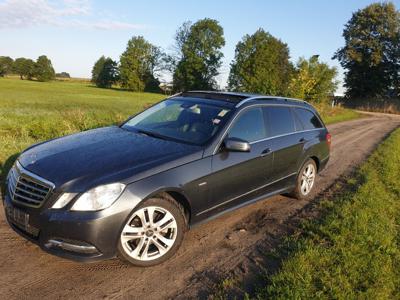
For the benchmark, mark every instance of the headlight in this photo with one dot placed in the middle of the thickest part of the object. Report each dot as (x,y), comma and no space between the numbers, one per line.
(63,200)
(99,197)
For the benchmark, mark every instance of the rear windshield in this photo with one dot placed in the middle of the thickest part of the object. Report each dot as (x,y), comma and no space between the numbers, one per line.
(189,121)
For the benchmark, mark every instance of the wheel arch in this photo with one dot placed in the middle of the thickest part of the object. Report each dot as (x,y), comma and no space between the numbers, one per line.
(183,200)
(317,162)
(178,196)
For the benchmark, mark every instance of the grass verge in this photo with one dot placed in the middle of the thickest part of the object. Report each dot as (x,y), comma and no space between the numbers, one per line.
(337,114)
(352,251)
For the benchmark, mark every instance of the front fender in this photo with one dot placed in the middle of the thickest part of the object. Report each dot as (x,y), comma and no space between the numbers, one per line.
(185,180)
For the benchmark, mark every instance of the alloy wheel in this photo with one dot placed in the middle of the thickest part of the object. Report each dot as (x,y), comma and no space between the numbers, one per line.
(307,179)
(149,233)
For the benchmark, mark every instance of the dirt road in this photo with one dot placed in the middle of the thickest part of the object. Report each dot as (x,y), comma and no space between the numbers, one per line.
(208,250)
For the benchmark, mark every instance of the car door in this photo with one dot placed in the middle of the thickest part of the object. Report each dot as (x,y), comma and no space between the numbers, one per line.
(286,143)
(313,132)
(237,176)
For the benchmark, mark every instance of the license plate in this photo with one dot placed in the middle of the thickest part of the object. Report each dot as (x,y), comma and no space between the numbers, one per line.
(18,217)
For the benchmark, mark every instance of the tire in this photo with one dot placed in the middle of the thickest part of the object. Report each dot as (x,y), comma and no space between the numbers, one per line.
(305,180)
(144,242)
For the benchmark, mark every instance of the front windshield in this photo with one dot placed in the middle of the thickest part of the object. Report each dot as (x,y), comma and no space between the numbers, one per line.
(189,121)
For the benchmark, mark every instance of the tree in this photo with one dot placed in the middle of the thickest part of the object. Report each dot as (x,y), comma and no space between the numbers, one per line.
(261,65)
(24,67)
(63,75)
(44,69)
(313,81)
(139,65)
(198,56)
(371,54)
(104,72)
(97,68)
(6,65)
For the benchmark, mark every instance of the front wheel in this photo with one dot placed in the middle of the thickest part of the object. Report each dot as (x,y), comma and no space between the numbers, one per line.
(153,233)
(305,180)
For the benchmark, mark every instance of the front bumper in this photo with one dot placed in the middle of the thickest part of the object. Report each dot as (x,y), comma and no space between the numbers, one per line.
(79,236)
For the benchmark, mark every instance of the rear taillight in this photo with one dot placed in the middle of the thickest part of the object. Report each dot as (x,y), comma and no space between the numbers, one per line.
(328,138)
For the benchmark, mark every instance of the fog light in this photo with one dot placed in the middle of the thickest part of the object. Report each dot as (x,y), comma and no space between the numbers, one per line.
(73,246)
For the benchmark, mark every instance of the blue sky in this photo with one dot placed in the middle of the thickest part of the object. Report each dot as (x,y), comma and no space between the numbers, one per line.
(74,33)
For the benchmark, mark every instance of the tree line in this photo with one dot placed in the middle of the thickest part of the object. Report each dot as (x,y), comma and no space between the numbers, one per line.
(261,65)
(370,57)
(41,69)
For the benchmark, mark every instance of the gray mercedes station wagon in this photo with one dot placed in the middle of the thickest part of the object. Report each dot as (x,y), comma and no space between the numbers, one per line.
(133,190)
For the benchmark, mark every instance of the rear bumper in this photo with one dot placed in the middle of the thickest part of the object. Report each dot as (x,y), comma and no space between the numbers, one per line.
(79,236)
(323,163)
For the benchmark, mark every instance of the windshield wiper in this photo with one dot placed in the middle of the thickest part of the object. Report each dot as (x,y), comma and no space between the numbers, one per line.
(160,136)
(152,134)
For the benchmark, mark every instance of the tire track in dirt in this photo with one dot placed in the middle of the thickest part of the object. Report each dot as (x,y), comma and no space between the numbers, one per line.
(208,250)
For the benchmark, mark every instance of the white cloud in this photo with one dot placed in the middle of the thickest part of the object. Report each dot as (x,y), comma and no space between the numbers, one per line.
(62,13)
(117,25)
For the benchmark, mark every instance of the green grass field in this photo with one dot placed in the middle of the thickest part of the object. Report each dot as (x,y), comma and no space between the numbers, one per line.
(353,250)
(33,111)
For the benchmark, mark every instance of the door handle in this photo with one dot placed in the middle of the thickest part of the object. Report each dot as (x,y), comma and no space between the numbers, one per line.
(266,152)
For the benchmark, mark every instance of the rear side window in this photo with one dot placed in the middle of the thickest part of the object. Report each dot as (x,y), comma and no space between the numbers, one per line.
(249,126)
(308,118)
(297,122)
(280,120)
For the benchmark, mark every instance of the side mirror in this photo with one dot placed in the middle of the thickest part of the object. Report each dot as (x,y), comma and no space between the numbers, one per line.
(237,145)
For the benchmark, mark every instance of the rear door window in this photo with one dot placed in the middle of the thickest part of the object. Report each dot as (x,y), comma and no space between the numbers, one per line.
(308,119)
(280,120)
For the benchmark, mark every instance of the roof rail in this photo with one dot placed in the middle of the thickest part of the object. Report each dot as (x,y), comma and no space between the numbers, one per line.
(242,97)
(250,99)
(215,95)
(174,95)
(267,97)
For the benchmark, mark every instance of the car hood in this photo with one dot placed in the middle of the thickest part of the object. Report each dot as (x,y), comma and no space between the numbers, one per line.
(81,161)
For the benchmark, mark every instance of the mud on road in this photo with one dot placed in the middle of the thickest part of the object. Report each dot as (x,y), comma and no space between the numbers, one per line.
(209,250)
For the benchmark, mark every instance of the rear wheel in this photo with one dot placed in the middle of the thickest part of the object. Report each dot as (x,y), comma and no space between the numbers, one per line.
(153,233)
(305,180)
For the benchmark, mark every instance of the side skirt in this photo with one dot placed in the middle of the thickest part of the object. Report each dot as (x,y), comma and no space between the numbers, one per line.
(251,201)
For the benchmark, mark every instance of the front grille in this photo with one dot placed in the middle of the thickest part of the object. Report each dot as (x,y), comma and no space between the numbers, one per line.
(27,188)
